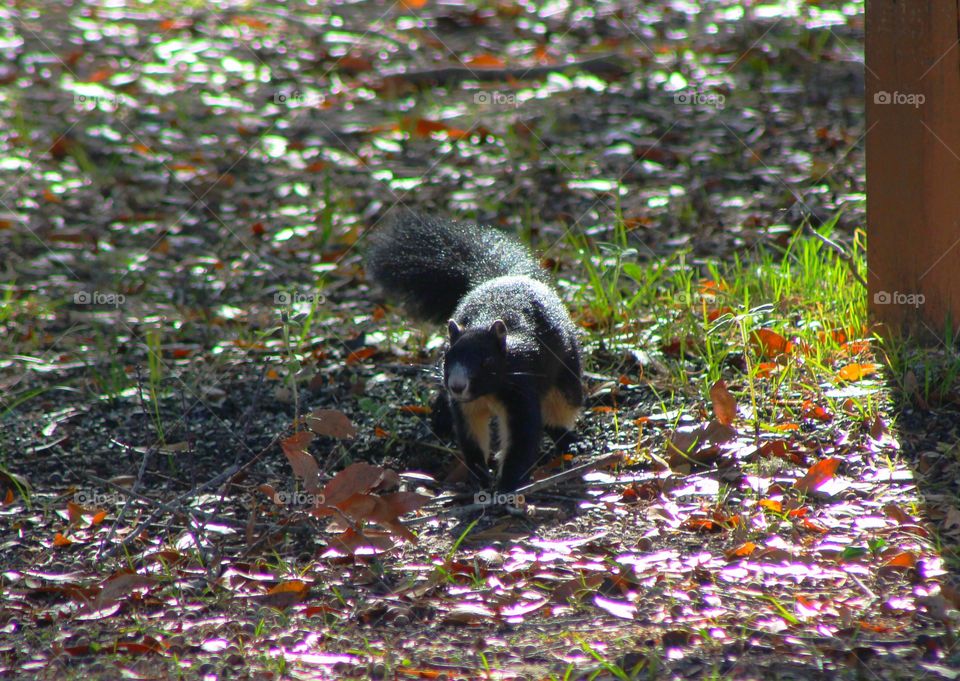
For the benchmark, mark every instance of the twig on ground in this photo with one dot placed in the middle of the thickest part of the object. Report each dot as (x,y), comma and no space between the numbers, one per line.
(574,472)
(133,491)
(155,503)
(453,511)
(213,482)
(607,64)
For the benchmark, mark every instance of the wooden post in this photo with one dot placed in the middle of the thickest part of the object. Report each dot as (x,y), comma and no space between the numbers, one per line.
(913,163)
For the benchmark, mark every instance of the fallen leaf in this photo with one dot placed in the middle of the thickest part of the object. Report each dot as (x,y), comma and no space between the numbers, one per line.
(745,549)
(303,464)
(285,594)
(485,61)
(854,372)
(814,411)
(818,474)
(724,404)
(770,343)
(331,423)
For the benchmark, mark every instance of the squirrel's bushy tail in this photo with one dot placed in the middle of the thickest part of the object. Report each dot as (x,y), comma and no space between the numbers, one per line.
(431,264)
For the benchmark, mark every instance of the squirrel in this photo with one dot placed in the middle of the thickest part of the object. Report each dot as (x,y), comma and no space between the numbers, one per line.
(513,354)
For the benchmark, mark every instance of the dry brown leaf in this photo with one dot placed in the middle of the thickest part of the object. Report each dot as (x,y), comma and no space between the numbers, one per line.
(331,423)
(357,478)
(724,404)
(303,464)
(285,594)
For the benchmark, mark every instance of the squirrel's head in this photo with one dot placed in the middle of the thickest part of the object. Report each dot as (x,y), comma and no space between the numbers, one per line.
(476,362)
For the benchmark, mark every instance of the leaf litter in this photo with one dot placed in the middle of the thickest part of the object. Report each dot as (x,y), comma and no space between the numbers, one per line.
(246,474)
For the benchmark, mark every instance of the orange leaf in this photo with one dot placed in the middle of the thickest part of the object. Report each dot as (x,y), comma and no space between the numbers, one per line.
(902,560)
(360,355)
(814,527)
(771,505)
(701,525)
(285,594)
(813,411)
(251,22)
(713,315)
(839,336)
(175,24)
(854,372)
(711,287)
(415,409)
(485,61)
(855,347)
(724,404)
(770,343)
(778,448)
(745,549)
(60,540)
(99,76)
(767,369)
(818,474)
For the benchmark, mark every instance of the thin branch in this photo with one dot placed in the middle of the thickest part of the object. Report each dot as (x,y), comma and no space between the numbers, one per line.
(840,251)
(607,64)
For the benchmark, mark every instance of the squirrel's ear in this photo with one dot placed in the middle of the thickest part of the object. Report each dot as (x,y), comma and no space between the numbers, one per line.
(454,329)
(499,329)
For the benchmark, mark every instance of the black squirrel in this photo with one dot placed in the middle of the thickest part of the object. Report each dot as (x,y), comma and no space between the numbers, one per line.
(513,354)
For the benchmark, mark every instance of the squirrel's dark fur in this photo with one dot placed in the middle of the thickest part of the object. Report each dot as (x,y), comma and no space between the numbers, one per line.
(513,354)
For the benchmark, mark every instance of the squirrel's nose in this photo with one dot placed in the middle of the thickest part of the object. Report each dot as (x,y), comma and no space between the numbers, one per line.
(457,386)
(458,380)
